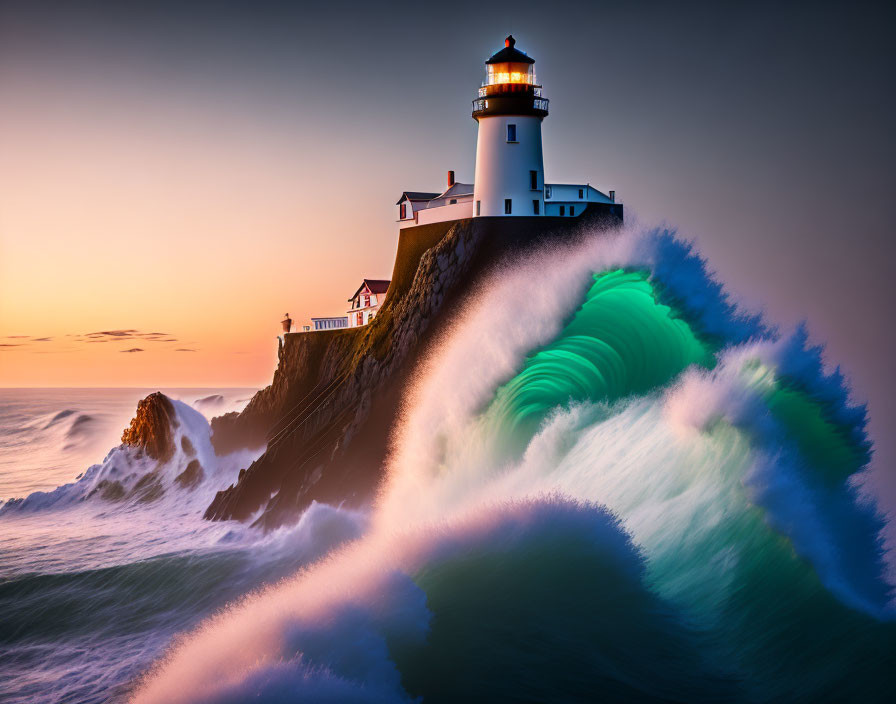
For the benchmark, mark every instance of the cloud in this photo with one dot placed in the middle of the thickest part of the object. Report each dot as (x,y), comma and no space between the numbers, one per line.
(11,344)
(153,338)
(184,349)
(127,334)
(114,333)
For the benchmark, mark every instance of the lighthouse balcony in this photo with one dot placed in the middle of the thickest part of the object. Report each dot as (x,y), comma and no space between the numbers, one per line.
(510,105)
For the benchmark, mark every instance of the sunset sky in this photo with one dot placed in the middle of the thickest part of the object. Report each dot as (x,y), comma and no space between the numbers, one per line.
(182,176)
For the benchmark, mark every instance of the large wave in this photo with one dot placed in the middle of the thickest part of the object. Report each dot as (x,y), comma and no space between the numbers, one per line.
(622,487)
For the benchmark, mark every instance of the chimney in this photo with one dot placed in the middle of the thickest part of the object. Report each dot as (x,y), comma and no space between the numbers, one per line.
(450,179)
(613,196)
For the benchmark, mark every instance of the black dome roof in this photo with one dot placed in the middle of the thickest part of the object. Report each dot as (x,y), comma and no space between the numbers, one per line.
(509,54)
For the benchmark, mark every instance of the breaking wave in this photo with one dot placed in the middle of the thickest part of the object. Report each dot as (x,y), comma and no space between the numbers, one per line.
(635,492)
(127,474)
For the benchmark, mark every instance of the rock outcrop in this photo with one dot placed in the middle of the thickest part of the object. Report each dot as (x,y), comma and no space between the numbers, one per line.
(191,476)
(327,416)
(150,429)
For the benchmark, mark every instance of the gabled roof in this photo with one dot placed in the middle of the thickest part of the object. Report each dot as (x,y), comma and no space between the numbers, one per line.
(458,189)
(509,54)
(416,195)
(374,285)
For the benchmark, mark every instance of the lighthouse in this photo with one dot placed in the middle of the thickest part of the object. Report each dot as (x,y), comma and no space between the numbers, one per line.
(509,180)
(509,174)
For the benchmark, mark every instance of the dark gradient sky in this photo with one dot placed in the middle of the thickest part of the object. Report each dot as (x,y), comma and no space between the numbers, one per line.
(764,131)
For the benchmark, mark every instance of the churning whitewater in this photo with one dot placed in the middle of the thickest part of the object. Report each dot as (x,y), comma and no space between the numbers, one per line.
(636,491)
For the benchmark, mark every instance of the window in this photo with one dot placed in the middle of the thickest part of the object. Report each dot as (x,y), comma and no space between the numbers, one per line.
(581,193)
(572,210)
(533,180)
(511,133)
(508,206)
(404,211)
(367,301)
(535,207)
(452,201)
(547,191)
(477,206)
(563,210)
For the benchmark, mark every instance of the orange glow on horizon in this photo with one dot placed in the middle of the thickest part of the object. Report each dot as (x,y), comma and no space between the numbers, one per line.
(207,230)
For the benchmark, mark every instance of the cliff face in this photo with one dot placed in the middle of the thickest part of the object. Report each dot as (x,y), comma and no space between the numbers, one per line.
(327,416)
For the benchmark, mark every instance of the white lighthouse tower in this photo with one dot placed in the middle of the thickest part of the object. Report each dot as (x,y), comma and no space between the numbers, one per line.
(509,177)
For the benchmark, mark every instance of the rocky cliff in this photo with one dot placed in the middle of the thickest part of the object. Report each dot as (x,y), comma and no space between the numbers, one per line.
(327,416)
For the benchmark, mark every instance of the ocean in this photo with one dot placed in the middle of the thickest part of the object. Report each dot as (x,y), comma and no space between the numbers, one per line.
(92,591)
(637,491)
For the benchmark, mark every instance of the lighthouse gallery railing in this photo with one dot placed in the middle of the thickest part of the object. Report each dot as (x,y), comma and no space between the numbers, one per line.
(537,103)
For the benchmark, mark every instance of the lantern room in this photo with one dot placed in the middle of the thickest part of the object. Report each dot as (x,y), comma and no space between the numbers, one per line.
(510,65)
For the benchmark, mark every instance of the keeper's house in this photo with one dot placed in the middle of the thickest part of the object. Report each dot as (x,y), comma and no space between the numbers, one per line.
(366,301)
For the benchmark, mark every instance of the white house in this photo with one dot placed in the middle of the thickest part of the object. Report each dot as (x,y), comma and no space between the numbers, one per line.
(366,301)
(454,203)
(509,173)
(409,203)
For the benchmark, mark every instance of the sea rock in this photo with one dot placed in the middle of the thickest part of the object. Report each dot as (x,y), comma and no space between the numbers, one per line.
(191,476)
(151,428)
